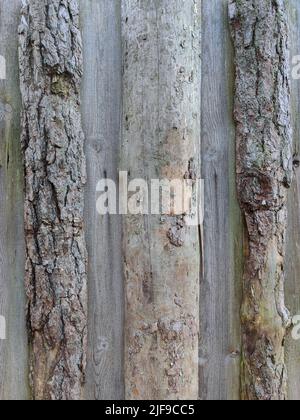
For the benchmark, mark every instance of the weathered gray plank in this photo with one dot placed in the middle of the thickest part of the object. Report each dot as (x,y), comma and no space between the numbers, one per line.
(101,109)
(220,293)
(13,351)
(293,235)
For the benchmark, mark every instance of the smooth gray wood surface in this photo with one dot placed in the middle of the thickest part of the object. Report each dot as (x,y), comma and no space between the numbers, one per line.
(293,235)
(101,111)
(13,351)
(221,285)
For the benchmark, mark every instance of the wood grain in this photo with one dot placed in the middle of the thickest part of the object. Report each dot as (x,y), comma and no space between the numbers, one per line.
(13,351)
(293,234)
(220,292)
(101,111)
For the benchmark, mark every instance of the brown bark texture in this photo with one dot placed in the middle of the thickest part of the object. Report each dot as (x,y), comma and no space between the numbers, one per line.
(264,172)
(50,56)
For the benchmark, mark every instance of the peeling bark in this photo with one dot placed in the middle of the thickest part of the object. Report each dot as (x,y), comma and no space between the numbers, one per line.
(50,55)
(264,172)
(161,54)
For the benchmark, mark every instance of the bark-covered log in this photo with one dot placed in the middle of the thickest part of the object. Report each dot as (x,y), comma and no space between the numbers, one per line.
(161,136)
(264,171)
(52,139)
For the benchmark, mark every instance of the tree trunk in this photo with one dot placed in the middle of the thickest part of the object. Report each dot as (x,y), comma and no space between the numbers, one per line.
(161,120)
(52,140)
(264,171)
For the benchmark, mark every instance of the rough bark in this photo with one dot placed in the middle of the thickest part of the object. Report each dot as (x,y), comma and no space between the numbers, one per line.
(264,171)
(52,139)
(161,130)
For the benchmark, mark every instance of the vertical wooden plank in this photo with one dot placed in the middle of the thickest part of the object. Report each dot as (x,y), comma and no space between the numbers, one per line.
(220,292)
(293,234)
(13,351)
(101,109)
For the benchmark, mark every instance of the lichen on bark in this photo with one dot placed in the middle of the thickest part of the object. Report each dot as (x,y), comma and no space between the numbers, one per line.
(264,173)
(50,58)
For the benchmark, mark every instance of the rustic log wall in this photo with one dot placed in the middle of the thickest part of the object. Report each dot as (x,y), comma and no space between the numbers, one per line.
(101,108)
(221,283)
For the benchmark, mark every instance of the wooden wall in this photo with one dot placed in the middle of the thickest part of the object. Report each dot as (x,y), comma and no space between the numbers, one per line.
(220,288)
